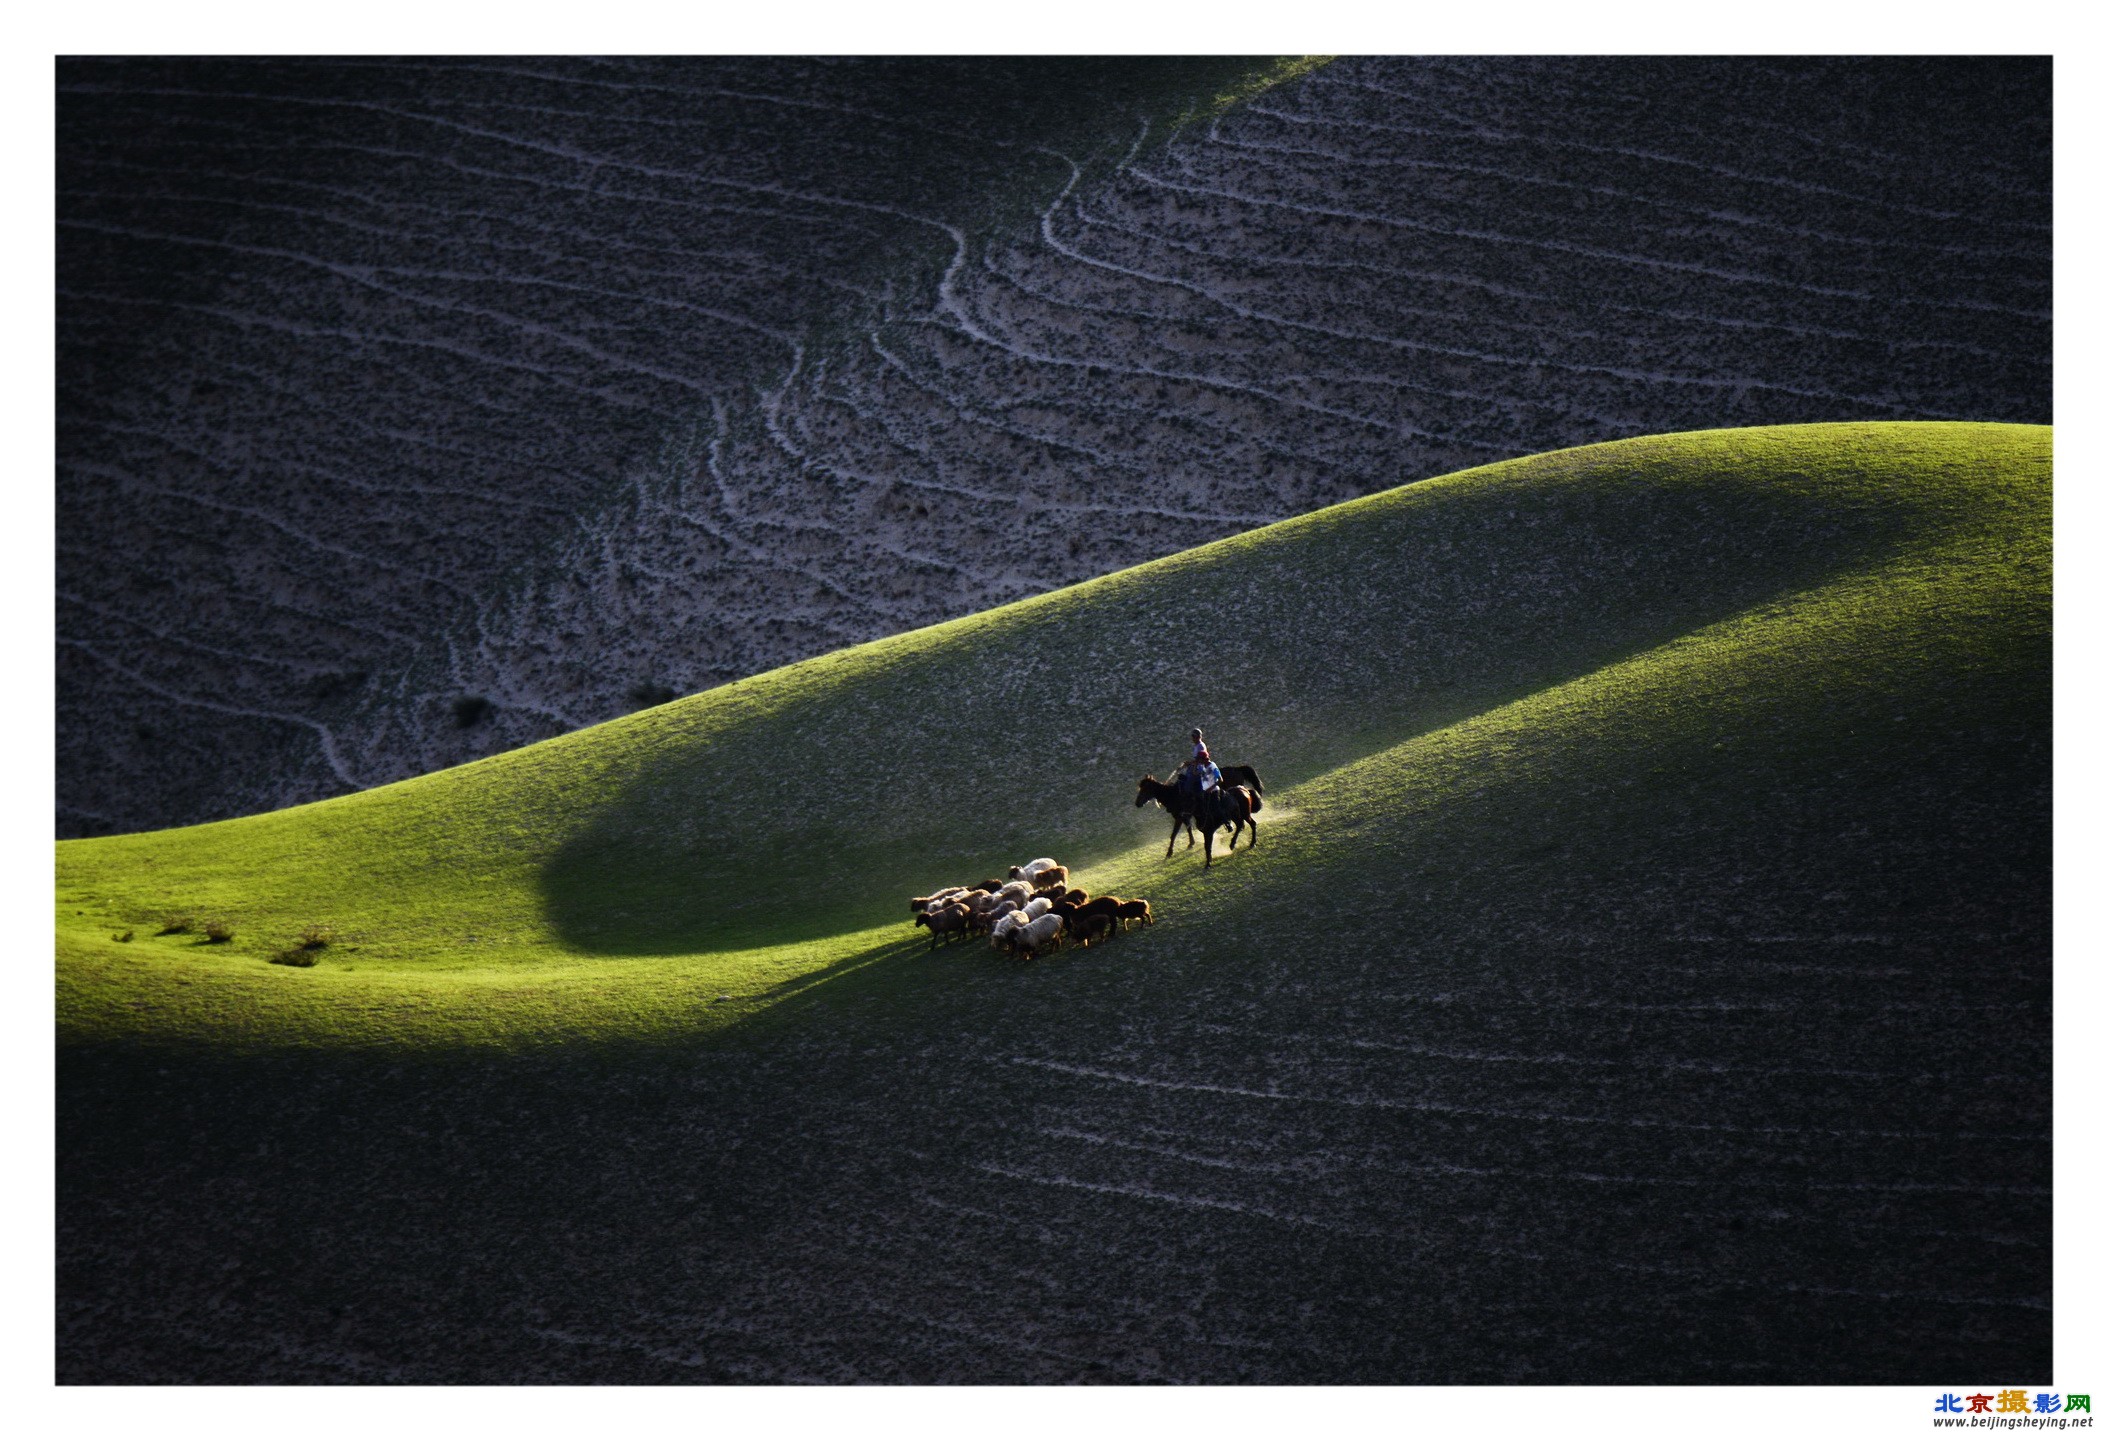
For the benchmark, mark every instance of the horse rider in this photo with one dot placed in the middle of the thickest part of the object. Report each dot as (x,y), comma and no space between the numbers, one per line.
(1201,773)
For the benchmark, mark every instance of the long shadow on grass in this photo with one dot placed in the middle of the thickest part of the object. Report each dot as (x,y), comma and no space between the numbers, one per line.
(801,991)
(861,779)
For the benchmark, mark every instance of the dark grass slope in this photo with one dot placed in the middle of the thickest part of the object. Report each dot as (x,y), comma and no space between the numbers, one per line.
(1679,1014)
(413,411)
(346,344)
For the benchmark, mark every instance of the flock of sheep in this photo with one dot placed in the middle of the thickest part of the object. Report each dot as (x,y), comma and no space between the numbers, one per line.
(1031,913)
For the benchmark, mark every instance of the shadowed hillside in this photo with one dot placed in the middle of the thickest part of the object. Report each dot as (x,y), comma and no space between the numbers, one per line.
(1646,823)
(413,411)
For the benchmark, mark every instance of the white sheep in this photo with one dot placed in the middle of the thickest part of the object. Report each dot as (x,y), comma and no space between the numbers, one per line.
(1036,908)
(1030,869)
(1038,935)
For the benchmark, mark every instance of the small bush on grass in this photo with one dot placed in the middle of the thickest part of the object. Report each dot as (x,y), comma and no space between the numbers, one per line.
(218,933)
(294,956)
(176,925)
(314,938)
(121,936)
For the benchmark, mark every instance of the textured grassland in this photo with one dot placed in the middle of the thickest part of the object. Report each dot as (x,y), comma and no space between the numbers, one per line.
(954,367)
(1594,647)
(1643,976)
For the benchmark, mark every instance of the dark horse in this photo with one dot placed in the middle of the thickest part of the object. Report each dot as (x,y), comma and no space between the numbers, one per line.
(1175,797)
(1227,805)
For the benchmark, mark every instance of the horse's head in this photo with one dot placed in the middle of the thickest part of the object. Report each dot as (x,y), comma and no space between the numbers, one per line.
(1143,787)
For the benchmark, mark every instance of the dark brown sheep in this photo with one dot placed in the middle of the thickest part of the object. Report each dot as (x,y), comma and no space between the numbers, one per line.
(947,923)
(1094,928)
(1134,910)
(1099,906)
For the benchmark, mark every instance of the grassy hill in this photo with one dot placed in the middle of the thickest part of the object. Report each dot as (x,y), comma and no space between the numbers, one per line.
(1511,646)
(1646,822)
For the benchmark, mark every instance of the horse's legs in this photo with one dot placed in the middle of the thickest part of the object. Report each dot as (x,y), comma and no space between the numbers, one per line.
(1174,836)
(1209,849)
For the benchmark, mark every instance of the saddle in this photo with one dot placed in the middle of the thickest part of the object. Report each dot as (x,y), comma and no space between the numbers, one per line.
(1212,808)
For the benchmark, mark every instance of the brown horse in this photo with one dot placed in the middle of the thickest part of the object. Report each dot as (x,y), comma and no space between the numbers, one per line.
(1231,806)
(1242,805)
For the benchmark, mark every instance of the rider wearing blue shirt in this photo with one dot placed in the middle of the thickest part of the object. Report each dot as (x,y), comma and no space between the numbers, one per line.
(1202,768)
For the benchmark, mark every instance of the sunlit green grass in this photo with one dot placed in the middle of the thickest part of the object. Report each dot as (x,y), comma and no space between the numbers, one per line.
(1608,646)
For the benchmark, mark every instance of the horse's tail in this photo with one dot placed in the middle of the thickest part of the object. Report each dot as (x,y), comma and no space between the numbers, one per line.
(1257,804)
